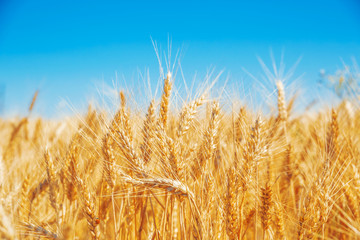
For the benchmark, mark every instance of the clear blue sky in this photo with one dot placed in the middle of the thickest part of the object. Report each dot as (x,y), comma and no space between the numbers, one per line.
(67,48)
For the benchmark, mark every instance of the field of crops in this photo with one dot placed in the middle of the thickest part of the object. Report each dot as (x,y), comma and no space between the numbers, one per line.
(200,172)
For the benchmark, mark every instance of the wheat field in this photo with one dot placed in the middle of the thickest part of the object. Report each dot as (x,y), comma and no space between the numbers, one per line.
(201,172)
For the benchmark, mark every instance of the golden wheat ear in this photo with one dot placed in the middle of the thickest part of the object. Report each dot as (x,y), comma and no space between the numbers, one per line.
(33,101)
(148,134)
(88,208)
(282,113)
(165,100)
(266,207)
(207,149)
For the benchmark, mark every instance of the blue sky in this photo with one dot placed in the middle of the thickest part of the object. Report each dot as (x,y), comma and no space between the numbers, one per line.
(66,49)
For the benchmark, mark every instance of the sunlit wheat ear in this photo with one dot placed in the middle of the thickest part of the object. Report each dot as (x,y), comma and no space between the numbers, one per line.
(92,124)
(252,154)
(38,131)
(161,146)
(352,201)
(231,211)
(122,99)
(26,119)
(33,101)
(38,190)
(51,179)
(210,197)
(279,222)
(124,117)
(133,161)
(88,207)
(306,221)
(332,137)
(24,200)
(109,160)
(146,154)
(172,186)
(165,98)
(187,116)
(287,166)
(176,164)
(240,125)
(282,112)
(53,186)
(248,219)
(71,169)
(148,134)
(207,148)
(10,151)
(266,207)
